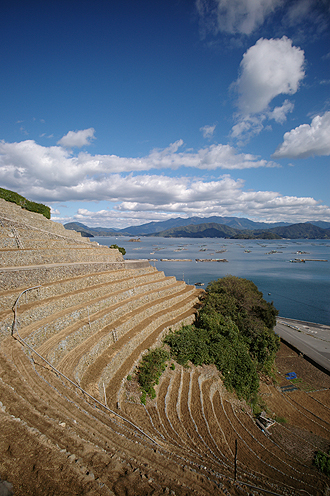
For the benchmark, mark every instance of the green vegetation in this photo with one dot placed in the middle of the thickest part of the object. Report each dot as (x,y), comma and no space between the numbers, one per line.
(234,331)
(322,462)
(13,197)
(241,301)
(150,369)
(281,420)
(220,344)
(120,248)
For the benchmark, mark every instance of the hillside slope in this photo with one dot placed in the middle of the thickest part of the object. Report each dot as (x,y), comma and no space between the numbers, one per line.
(75,320)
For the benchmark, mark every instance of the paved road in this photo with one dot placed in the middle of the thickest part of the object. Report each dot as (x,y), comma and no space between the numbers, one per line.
(313,340)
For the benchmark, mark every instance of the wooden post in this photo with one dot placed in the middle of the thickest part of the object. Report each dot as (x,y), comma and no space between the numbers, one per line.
(105,395)
(235,462)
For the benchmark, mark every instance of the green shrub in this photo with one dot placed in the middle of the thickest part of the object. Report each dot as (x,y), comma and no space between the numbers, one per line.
(219,343)
(232,332)
(255,318)
(281,420)
(13,197)
(129,377)
(151,368)
(120,248)
(322,462)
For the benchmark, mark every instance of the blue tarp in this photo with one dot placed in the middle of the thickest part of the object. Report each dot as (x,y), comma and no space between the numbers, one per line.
(291,375)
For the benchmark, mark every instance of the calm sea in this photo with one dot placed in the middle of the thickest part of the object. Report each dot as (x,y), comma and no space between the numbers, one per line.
(298,290)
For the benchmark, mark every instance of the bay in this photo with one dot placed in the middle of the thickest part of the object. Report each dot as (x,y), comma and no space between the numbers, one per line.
(298,290)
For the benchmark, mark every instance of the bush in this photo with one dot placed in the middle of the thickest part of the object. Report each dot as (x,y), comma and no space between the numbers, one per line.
(13,197)
(120,248)
(255,318)
(232,332)
(151,368)
(218,343)
(322,462)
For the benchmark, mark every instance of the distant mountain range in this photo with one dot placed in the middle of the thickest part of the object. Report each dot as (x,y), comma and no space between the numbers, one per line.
(214,227)
(213,230)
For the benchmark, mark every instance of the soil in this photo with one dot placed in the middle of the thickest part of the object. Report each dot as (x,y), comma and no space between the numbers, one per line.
(55,443)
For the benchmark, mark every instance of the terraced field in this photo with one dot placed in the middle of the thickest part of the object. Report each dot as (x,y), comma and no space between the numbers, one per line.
(72,423)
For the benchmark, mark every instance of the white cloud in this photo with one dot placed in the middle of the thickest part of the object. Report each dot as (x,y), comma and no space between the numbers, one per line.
(279,113)
(208,131)
(268,69)
(77,138)
(54,169)
(234,16)
(307,140)
(308,11)
(248,126)
(53,174)
(54,211)
(152,198)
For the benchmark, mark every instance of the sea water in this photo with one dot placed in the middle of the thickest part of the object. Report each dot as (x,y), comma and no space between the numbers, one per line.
(298,290)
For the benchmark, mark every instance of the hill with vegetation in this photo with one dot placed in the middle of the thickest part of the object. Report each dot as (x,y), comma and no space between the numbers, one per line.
(155,227)
(89,231)
(13,197)
(302,231)
(212,230)
(232,228)
(233,330)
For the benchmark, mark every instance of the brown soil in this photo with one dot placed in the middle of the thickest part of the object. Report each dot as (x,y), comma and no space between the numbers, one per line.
(54,442)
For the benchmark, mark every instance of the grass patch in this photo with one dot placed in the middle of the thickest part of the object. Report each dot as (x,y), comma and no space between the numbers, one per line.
(150,369)
(281,420)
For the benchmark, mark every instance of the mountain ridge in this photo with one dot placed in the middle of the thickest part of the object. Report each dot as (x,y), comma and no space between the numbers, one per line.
(242,225)
(213,230)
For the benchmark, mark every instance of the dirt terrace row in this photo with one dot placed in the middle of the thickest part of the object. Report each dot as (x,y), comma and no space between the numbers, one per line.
(192,415)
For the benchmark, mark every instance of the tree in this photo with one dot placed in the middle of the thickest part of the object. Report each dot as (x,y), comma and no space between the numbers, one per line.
(255,318)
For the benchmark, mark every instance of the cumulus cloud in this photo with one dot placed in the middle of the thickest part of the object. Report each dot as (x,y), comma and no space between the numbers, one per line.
(77,139)
(208,131)
(234,16)
(58,170)
(54,174)
(279,113)
(307,140)
(268,69)
(151,198)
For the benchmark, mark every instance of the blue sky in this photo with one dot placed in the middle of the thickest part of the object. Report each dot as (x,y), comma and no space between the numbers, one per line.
(121,113)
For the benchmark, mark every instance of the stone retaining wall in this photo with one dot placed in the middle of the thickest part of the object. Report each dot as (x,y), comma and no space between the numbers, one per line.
(109,309)
(164,306)
(37,243)
(113,292)
(86,292)
(16,258)
(128,348)
(80,282)
(25,277)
